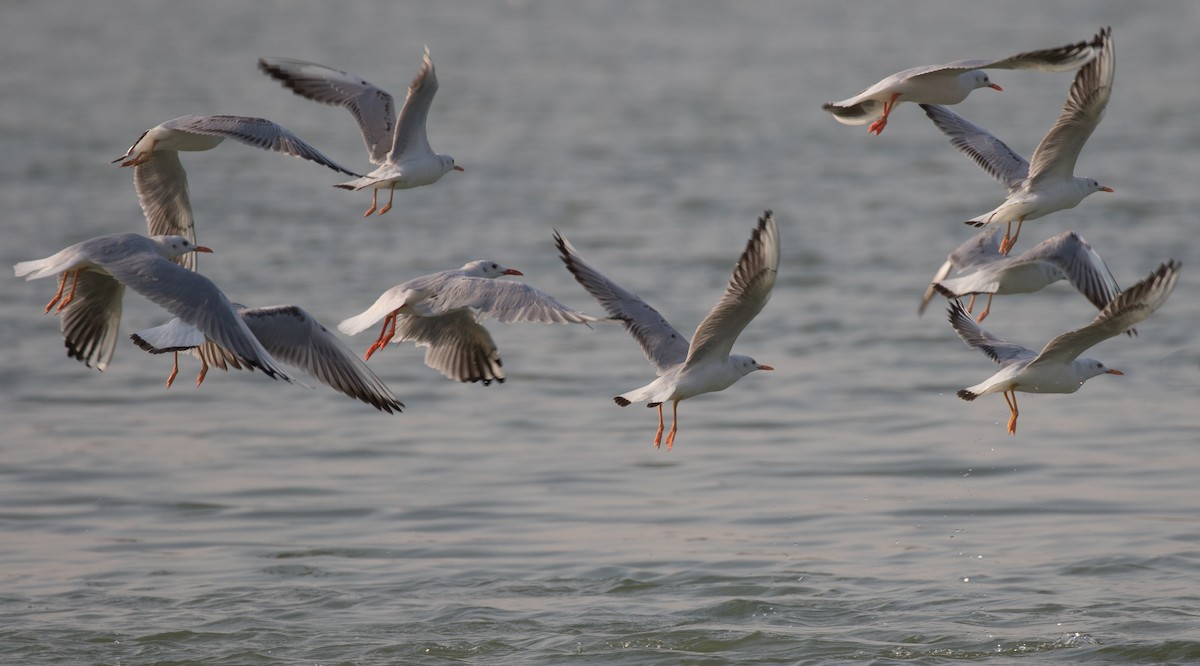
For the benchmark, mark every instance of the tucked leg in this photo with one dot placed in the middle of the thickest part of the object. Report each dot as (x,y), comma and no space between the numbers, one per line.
(140,158)
(877,127)
(971,304)
(674,423)
(385,336)
(1007,244)
(658,434)
(374,197)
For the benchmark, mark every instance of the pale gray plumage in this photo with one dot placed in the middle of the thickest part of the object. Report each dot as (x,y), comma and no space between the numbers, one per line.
(107,264)
(291,335)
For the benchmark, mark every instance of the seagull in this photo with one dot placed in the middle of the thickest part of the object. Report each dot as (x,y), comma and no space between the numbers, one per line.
(949,83)
(1047,183)
(704,365)
(100,268)
(1066,256)
(401,150)
(290,334)
(159,177)
(1058,368)
(442,311)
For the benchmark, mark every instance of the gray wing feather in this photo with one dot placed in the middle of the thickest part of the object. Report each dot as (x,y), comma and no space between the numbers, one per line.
(504,300)
(292,335)
(990,153)
(1082,266)
(1056,155)
(458,346)
(663,346)
(1128,308)
(257,132)
(195,300)
(410,132)
(748,291)
(162,189)
(371,106)
(1003,353)
(91,322)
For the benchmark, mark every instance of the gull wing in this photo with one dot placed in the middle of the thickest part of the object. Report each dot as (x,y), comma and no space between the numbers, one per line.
(990,153)
(257,132)
(458,346)
(1079,263)
(1003,353)
(1128,308)
(747,293)
(663,346)
(504,300)
(371,106)
(410,125)
(1055,156)
(162,189)
(91,322)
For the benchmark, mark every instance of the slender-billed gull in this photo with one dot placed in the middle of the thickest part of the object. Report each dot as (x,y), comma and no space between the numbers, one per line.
(291,335)
(1066,256)
(100,268)
(397,144)
(705,364)
(949,83)
(442,311)
(161,181)
(1047,183)
(1058,368)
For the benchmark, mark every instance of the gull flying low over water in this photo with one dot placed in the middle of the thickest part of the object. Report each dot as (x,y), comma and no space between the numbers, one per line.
(949,83)
(1066,256)
(442,311)
(1058,368)
(99,270)
(1047,183)
(291,335)
(161,182)
(397,144)
(705,364)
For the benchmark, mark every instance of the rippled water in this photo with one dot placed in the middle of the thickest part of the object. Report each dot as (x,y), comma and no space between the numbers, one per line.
(846,507)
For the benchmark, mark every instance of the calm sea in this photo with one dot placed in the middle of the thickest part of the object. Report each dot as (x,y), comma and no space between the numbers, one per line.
(845,508)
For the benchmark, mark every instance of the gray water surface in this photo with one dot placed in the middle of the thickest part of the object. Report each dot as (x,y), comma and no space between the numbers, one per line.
(846,507)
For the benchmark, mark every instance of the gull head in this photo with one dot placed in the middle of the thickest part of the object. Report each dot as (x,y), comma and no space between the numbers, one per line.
(1094,186)
(1090,367)
(448,164)
(746,365)
(175,246)
(486,268)
(980,80)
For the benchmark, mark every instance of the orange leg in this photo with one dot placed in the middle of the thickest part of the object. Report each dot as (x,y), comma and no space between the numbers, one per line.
(1012,405)
(1007,244)
(971,304)
(174,371)
(658,435)
(70,297)
(389,203)
(203,371)
(62,283)
(876,127)
(374,198)
(674,423)
(385,336)
(986,309)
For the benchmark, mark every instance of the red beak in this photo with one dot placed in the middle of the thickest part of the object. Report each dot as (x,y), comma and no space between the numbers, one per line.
(512,271)
(995,87)
(201,248)
(458,168)
(765,367)
(1114,371)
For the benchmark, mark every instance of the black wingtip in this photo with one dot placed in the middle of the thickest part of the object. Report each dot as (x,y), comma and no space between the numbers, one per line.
(966,395)
(621,401)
